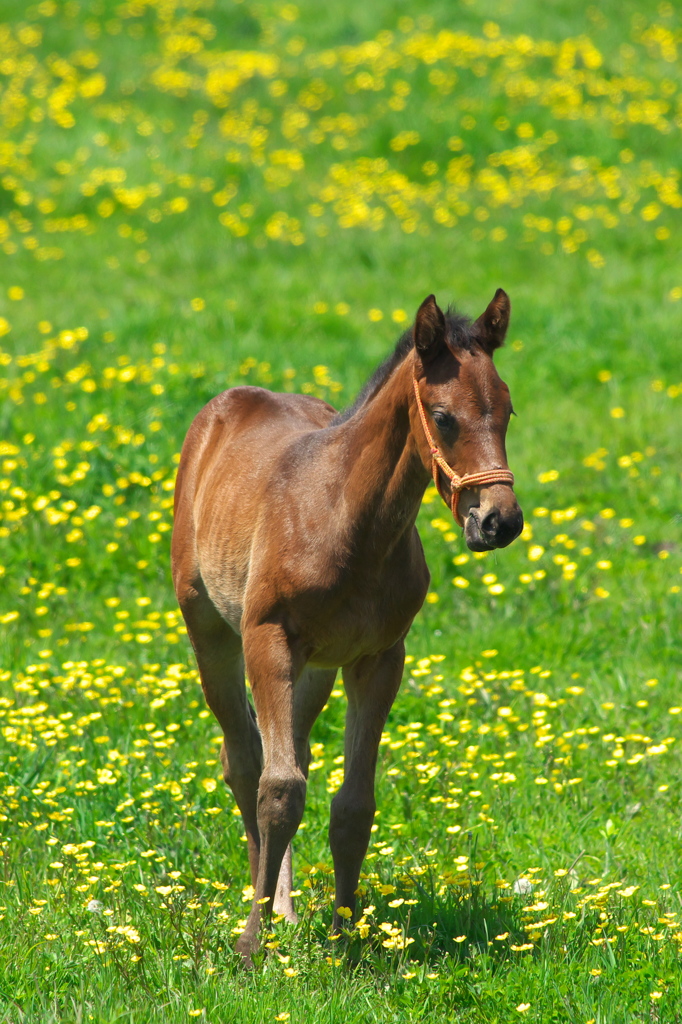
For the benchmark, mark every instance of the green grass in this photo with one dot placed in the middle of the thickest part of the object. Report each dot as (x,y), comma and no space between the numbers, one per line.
(525,862)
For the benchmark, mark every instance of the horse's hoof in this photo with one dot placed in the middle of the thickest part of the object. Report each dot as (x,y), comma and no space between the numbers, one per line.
(286,910)
(246,946)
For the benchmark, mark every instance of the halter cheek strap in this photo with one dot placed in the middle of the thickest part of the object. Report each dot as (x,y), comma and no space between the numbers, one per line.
(457,483)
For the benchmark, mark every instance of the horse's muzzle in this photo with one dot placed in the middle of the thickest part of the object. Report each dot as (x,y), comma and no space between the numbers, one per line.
(496,529)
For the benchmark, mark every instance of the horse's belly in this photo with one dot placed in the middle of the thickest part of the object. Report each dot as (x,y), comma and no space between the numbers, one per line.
(225,580)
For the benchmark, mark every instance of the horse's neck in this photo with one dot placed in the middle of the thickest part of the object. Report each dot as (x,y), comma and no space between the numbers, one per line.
(386,478)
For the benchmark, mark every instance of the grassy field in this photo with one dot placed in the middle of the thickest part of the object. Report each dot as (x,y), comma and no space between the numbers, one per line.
(197,194)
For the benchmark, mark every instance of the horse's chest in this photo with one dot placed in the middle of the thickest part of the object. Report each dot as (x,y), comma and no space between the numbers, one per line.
(367,611)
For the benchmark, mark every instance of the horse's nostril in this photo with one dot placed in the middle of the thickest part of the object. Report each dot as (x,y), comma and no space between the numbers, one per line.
(491,523)
(501,529)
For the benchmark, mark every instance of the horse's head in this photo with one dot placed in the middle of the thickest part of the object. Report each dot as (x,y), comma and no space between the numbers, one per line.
(460,417)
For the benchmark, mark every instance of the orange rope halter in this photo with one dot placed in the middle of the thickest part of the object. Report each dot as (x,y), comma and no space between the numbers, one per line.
(457,483)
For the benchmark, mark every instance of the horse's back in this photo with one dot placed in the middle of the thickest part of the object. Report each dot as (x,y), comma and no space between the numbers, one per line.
(245,425)
(233,449)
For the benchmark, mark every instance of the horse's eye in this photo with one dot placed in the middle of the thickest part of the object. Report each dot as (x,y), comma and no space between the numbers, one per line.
(443,420)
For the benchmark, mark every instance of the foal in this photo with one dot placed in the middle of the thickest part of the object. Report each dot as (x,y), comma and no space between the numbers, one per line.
(295,553)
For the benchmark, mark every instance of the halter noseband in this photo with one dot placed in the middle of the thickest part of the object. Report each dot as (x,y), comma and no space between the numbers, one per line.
(457,483)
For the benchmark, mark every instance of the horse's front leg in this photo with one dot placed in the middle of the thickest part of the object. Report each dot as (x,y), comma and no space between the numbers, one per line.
(312,691)
(272,665)
(371,686)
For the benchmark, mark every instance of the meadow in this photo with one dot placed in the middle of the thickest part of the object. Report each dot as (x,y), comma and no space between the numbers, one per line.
(196,194)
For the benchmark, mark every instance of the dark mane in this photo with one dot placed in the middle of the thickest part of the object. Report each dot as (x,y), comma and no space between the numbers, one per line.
(459,335)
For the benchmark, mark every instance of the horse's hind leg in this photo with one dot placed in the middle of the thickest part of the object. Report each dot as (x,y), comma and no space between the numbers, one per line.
(218,651)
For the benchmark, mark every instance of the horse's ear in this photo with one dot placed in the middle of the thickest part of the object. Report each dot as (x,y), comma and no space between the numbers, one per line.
(492,325)
(429,329)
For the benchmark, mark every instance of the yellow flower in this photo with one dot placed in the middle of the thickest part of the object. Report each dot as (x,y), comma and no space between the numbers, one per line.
(626,893)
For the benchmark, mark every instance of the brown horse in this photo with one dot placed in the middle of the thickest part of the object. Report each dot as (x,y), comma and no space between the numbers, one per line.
(295,553)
